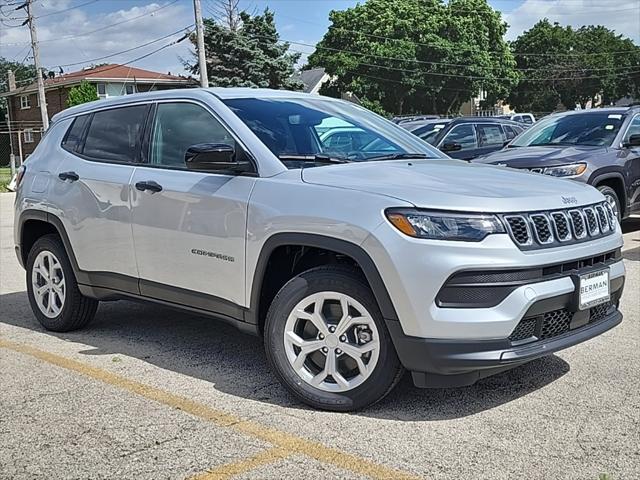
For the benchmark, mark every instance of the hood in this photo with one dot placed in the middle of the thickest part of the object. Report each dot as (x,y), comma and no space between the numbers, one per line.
(455,185)
(544,156)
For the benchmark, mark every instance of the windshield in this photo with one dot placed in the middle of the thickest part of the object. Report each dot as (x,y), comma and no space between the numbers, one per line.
(586,129)
(299,130)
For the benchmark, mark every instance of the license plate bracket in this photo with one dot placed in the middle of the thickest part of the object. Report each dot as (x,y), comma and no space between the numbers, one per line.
(594,288)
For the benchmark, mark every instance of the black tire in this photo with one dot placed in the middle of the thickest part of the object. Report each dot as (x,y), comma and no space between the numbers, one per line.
(609,192)
(340,279)
(77,310)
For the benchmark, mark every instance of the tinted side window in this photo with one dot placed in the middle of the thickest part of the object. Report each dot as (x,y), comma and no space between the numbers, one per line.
(634,128)
(73,137)
(114,135)
(462,134)
(180,125)
(490,135)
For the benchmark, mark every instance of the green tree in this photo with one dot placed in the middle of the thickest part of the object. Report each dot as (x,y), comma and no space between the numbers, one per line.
(249,56)
(577,66)
(83,93)
(417,55)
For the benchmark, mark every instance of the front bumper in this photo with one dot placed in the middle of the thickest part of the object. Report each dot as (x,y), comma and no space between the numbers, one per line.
(448,363)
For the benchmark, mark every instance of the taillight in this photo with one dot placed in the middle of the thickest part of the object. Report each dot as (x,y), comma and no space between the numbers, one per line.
(20,175)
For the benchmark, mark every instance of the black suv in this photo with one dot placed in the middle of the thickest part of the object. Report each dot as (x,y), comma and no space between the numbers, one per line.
(600,147)
(465,137)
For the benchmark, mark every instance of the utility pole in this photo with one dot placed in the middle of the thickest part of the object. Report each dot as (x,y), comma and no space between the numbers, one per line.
(202,60)
(36,60)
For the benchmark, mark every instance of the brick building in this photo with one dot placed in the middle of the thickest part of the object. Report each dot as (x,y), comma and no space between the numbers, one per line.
(25,122)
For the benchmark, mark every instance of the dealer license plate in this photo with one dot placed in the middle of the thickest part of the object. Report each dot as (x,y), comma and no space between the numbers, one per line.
(594,289)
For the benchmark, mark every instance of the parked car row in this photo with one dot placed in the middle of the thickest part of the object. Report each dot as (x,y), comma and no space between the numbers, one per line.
(600,147)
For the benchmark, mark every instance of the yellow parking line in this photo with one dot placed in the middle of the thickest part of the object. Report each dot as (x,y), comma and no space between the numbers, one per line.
(223,472)
(282,440)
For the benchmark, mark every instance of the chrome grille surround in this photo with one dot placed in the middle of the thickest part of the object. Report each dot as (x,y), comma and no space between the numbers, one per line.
(578,224)
(555,228)
(561,226)
(592,221)
(542,228)
(603,218)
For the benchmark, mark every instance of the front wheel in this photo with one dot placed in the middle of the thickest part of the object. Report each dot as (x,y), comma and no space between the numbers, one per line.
(327,342)
(613,200)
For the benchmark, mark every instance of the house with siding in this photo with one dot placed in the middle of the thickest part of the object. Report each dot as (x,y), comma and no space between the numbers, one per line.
(23,109)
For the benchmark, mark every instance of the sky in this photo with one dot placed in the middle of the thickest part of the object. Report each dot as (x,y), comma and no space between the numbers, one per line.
(75,33)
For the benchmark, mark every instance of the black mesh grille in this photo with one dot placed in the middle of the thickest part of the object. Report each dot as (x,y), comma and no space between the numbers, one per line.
(578,223)
(525,329)
(592,222)
(541,224)
(555,323)
(518,227)
(611,214)
(602,217)
(599,312)
(562,226)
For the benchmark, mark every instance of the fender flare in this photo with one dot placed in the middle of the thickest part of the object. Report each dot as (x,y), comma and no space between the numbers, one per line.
(343,247)
(51,219)
(599,177)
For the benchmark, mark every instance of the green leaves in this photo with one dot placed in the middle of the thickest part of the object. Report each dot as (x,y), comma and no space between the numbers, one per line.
(83,93)
(249,56)
(562,65)
(417,55)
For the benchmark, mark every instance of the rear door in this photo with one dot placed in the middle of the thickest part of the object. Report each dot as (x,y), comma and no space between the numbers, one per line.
(100,151)
(491,137)
(190,230)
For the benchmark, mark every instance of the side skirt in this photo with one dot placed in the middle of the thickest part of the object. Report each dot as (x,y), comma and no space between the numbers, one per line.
(107,286)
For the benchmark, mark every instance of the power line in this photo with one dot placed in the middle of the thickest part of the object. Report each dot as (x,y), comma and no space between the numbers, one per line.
(83,34)
(478,77)
(434,44)
(409,60)
(67,9)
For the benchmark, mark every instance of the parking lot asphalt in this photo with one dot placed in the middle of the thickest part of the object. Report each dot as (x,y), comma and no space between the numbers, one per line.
(149,392)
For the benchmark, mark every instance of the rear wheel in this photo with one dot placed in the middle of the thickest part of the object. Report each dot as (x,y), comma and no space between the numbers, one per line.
(52,289)
(327,342)
(613,200)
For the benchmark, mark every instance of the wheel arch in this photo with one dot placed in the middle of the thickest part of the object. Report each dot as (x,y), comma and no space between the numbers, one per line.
(344,248)
(34,224)
(615,180)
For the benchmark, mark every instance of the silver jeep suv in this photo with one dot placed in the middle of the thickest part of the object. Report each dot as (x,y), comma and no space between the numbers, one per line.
(355,258)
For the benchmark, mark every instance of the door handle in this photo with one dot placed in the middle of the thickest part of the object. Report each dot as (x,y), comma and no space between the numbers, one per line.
(149,185)
(72,176)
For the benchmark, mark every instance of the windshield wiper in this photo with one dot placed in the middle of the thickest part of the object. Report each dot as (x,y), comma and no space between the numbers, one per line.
(318,158)
(398,156)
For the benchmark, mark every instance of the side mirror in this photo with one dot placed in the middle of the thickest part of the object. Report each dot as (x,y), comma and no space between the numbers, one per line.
(451,147)
(634,141)
(214,157)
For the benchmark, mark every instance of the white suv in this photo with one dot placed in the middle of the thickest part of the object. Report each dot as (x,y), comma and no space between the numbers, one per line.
(355,261)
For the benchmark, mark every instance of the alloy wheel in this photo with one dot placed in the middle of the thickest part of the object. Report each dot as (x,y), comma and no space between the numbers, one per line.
(49,288)
(331,341)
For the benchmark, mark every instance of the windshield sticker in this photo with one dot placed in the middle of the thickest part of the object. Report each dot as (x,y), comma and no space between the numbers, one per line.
(608,127)
(438,127)
(616,116)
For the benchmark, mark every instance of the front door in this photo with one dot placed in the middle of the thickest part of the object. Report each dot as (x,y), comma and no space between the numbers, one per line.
(632,166)
(189,227)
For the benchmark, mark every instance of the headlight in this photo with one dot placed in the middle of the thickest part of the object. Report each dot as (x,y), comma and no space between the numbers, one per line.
(469,227)
(572,170)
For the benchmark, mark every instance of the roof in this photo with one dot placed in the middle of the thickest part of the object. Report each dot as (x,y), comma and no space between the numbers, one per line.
(312,79)
(478,119)
(618,110)
(195,93)
(110,72)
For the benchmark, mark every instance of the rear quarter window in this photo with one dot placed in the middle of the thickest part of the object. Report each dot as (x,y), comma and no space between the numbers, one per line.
(73,137)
